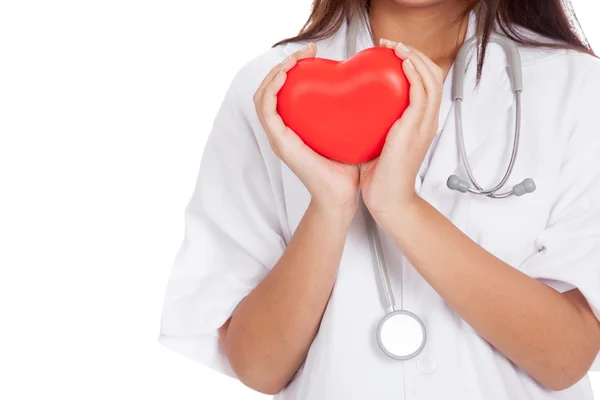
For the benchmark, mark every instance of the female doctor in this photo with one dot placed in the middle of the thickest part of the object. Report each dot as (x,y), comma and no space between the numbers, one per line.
(274,282)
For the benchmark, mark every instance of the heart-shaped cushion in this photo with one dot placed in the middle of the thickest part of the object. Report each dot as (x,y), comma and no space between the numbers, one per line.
(344,110)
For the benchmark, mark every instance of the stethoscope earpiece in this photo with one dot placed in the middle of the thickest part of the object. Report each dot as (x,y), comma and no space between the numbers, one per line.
(527,186)
(460,185)
(455,183)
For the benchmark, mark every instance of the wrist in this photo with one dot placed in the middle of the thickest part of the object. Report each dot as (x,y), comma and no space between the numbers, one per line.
(335,215)
(396,213)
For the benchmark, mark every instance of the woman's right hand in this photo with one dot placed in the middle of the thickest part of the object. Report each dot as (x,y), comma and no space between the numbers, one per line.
(333,185)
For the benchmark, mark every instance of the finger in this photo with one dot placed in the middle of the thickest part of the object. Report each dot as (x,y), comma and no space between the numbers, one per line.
(437,72)
(310,50)
(417,93)
(282,139)
(287,63)
(435,69)
(387,43)
(266,96)
(413,115)
(431,76)
(431,83)
(267,108)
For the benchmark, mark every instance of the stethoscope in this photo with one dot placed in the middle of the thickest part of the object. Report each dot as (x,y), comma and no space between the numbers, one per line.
(401,334)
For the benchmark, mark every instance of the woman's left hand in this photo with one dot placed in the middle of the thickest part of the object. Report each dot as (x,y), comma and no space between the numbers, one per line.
(387,182)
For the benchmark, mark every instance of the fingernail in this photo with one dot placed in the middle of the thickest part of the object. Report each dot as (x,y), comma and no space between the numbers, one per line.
(286,60)
(387,42)
(305,48)
(402,47)
(409,63)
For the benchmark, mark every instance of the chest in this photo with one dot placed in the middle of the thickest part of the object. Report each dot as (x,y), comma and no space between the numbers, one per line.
(506,227)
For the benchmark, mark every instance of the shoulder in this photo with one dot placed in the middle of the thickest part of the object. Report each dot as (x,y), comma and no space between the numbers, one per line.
(238,104)
(248,78)
(572,63)
(571,74)
(252,73)
(562,60)
(563,86)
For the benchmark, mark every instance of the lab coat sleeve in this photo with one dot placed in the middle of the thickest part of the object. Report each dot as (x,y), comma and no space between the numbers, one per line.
(570,245)
(232,235)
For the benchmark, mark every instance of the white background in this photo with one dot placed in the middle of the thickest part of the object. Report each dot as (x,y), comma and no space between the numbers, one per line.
(104,110)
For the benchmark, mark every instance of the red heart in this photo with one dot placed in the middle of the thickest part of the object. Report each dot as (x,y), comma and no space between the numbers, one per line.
(344,110)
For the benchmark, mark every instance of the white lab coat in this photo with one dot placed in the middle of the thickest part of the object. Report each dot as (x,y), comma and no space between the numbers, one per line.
(247,204)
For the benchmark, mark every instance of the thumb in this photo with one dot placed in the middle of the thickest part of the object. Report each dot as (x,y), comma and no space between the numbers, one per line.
(366,167)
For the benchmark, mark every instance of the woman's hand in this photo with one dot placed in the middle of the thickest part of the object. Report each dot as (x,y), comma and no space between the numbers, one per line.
(387,182)
(333,185)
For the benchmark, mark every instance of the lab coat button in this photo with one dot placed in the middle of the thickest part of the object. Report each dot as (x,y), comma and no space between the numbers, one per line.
(426,365)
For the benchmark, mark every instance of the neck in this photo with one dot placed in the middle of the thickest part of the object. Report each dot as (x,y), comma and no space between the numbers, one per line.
(436,30)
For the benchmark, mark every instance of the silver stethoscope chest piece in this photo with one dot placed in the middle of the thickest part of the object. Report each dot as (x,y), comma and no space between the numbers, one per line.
(401,335)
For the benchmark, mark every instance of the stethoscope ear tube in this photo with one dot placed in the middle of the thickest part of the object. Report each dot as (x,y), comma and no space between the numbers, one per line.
(516,76)
(385,289)
(460,64)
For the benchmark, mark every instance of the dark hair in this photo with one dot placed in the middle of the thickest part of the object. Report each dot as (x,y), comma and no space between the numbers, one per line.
(553,19)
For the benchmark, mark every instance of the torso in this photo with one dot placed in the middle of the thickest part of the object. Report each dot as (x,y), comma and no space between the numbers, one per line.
(344,361)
